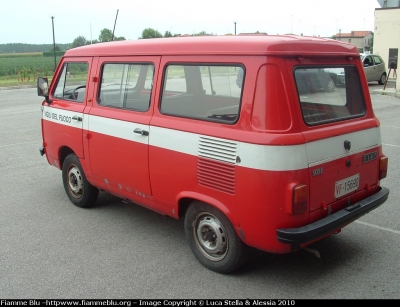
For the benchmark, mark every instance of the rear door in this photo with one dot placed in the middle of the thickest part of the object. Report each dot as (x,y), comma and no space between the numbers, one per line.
(342,140)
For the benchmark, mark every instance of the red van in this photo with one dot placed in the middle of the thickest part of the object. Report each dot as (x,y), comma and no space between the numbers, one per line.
(247,138)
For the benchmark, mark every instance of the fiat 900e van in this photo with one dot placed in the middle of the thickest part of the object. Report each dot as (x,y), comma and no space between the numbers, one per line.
(246,138)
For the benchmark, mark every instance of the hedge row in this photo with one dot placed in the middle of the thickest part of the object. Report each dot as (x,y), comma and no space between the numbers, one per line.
(51,53)
(18,55)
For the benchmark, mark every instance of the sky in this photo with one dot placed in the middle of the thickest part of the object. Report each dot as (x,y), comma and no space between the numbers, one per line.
(30,22)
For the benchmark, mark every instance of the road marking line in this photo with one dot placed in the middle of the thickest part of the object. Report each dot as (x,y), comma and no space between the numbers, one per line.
(390,145)
(378,227)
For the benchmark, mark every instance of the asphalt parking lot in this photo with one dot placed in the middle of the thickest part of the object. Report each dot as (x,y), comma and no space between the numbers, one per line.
(52,249)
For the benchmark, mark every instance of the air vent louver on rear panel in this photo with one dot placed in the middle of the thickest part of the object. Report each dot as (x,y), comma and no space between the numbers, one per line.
(216,164)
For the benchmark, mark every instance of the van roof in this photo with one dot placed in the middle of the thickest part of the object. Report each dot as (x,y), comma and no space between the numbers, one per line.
(218,45)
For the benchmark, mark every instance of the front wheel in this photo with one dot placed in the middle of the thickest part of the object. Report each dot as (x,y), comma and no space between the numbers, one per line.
(213,239)
(382,80)
(78,189)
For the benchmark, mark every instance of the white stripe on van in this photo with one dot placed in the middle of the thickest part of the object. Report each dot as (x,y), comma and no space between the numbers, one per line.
(255,156)
(117,128)
(273,158)
(63,117)
(333,148)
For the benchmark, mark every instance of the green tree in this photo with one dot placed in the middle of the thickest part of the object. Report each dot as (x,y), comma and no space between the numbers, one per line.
(105,35)
(200,33)
(119,38)
(168,34)
(150,33)
(79,41)
(57,48)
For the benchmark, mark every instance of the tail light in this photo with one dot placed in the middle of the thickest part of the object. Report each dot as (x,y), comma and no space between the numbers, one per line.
(383,166)
(300,199)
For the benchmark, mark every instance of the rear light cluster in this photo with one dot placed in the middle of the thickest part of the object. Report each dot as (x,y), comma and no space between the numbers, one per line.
(300,199)
(383,166)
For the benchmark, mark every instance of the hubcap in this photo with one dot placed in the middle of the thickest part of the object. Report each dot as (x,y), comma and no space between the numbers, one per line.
(210,236)
(331,86)
(75,181)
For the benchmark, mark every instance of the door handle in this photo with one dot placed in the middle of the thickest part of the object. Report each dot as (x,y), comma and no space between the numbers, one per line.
(79,119)
(140,131)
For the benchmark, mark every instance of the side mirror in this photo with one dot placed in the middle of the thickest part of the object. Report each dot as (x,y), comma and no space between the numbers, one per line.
(43,88)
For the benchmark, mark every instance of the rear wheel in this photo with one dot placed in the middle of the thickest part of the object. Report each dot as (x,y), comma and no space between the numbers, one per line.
(330,86)
(382,80)
(78,189)
(213,239)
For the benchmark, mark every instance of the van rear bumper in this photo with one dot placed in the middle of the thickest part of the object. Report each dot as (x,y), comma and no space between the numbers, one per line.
(332,222)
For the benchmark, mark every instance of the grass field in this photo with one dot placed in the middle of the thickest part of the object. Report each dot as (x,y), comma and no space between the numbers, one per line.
(24,68)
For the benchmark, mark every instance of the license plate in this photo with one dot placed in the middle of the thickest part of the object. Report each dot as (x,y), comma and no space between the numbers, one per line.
(347,185)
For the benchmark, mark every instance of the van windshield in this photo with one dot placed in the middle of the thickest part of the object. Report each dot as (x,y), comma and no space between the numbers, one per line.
(329,94)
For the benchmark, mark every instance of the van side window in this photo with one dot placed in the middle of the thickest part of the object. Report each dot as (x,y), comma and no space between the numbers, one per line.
(126,86)
(206,92)
(329,94)
(72,82)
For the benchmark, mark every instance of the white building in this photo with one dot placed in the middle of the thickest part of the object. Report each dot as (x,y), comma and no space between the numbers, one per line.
(387,34)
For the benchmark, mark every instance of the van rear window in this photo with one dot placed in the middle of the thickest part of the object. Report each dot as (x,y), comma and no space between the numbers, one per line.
(329,94)
(205,92)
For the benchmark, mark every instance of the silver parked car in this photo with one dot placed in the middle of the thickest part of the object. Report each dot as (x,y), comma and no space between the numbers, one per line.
(374,67)
(337,75)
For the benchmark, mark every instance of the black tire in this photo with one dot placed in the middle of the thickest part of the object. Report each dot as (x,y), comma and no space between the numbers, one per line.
(79,190)
(382,80)
(213,239)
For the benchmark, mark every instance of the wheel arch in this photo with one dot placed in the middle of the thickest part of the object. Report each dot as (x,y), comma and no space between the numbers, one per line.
(185,199)
(63,152)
